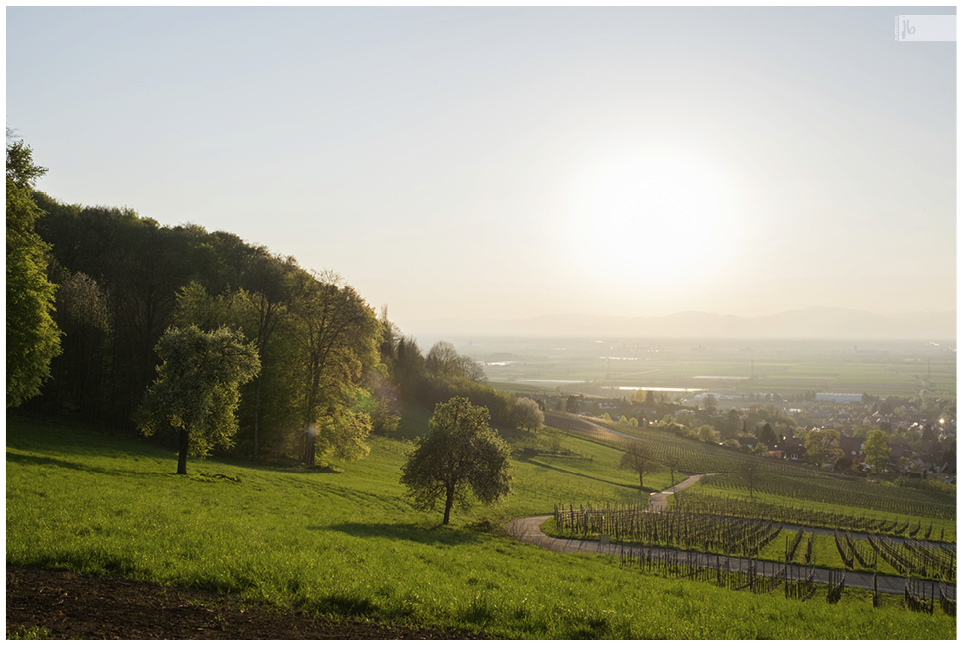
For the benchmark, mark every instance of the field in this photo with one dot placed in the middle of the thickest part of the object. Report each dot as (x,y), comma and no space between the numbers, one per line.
(344,543)
(899,369)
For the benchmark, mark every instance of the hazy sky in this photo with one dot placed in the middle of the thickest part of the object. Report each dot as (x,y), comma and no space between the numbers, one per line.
(509,163)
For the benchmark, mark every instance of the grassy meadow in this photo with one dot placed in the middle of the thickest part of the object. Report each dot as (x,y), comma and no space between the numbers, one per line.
(344,542)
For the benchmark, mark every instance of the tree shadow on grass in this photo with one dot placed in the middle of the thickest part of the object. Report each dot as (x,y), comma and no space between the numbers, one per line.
(28,460)
(631,486)
(405,532)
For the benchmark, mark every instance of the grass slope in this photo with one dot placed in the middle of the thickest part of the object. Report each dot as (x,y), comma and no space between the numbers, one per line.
(348,544)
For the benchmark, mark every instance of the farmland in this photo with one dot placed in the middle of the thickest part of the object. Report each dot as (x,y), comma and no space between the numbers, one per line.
(739,367)
(345,544)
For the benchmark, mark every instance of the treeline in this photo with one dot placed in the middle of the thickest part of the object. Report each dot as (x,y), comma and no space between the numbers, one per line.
(332,371)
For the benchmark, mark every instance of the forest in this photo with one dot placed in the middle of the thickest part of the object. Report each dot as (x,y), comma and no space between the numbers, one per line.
(332,372)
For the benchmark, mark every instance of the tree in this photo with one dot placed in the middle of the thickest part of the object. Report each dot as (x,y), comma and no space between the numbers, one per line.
(876,449)
(639,459)
(766,434)
(673,462)
(554,440)
(750,471)
(460,456)
(527,415)
(336,336)
(196,390)
(571,404)
(822,446)
(710,402)
(443,361)
(707,434)
(33,339)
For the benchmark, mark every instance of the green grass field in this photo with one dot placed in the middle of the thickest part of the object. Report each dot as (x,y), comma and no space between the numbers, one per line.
(347,544)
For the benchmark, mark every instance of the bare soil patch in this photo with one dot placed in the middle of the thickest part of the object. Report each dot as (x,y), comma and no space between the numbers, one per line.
(73,606)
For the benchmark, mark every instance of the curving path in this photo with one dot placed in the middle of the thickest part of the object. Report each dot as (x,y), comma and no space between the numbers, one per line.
(528,530)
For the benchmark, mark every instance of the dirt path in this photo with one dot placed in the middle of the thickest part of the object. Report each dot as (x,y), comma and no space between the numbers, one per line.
(528,530)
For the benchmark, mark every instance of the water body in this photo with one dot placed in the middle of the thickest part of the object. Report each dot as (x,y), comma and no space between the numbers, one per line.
(657,389)
(664,389)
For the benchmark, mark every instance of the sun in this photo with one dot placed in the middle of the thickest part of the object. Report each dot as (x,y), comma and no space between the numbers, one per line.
(650,220)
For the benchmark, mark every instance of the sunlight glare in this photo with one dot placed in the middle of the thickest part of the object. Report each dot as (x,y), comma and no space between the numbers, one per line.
(651,221)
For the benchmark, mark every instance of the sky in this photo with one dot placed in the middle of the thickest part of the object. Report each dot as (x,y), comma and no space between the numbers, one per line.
(509,163)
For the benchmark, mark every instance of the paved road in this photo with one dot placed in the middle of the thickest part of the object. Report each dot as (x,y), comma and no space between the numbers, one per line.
(528,530)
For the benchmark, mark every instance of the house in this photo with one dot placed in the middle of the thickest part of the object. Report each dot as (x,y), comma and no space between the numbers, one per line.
(852,447)
(792,449)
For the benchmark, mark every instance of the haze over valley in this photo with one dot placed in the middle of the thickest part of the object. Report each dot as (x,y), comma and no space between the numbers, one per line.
(810,323)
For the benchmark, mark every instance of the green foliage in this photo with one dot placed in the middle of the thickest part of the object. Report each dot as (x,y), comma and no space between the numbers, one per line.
(28,633)
(822,446)
(460,456)
(876,449)
(196,390)
(708,434)
(33,339)
(336,335)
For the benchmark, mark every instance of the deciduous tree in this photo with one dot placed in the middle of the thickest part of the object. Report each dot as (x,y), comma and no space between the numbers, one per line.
(639,458)
(876,449)
(822,446)
(673,462)
(527,415)
(196,390)
(33,338)
(751,472)
(337,336)
(707,434)
(460,456)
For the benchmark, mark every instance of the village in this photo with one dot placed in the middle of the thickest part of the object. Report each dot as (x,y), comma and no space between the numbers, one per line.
(920,432)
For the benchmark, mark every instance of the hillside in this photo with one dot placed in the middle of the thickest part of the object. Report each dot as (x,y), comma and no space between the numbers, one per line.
(345,546)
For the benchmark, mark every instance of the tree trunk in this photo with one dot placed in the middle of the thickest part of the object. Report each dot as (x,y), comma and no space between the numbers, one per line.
(309,447)
(257,413)
(182,452)
(449,500)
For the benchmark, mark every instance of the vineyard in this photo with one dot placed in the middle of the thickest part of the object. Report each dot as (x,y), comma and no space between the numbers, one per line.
(632,524)
(796,581)
(725,549)
(852,493)
(742,536)
(773,478)
(801,527)
(708,504)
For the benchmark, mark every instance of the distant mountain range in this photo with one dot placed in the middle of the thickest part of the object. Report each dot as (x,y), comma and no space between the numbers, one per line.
(809,323)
